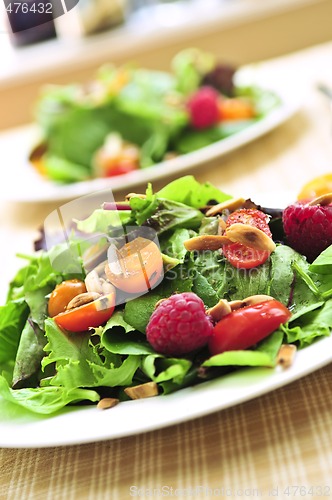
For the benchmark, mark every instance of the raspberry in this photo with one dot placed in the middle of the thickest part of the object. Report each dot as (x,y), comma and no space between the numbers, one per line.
(179,325)
(203,108)
(308,228)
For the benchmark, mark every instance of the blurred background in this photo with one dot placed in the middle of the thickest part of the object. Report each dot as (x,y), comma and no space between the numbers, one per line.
(79,36)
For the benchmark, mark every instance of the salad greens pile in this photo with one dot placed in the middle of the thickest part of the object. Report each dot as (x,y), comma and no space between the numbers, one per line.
(44,368)
(145,108)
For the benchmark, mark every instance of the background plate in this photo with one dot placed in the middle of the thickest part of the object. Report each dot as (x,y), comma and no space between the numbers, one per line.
(21,183)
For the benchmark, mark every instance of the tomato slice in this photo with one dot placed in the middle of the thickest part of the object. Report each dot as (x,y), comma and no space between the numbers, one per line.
(137,266)
(89,315)
(239,255)
(63,294)
(246,326)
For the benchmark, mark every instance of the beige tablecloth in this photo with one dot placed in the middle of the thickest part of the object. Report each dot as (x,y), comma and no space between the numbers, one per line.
(279,444)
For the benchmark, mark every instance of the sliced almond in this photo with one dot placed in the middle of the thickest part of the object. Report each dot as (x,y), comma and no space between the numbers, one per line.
(141,391)
(249,301)
(106,403)
(256,299)
(135,195)
(206,242)
(221,226)
(82,299)
(286,355)
(219,310)
(235,304)
(249,236)
(231,205)
(323,200)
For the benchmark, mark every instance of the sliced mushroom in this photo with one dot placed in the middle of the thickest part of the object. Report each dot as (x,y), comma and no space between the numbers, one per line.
(141,391)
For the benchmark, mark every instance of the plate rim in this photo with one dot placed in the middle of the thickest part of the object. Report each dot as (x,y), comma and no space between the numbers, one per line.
(291,102)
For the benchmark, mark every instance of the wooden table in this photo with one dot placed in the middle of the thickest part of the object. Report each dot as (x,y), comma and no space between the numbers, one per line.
(270,446)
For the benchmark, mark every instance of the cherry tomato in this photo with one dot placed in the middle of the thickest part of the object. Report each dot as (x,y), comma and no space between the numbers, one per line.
(120,168)
(62,295)
(235,109)
(138,266)
(246,326)
(89,315)
(239,255)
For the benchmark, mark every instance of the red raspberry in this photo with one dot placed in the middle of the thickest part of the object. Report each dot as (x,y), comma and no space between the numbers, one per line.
(308,228)
(203,108)
(179,325)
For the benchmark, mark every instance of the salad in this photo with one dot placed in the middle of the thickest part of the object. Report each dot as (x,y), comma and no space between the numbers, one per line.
(163,291)
(131,118)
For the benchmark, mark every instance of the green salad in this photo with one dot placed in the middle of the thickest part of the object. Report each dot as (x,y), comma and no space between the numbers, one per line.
(113,342)
(130,118)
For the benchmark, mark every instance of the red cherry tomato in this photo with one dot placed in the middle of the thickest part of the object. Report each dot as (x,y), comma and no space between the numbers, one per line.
(239,255)
(120,168)
(246,326)
(89,315)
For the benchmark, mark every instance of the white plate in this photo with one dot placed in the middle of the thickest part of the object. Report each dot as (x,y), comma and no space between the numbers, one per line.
(19,429)
(133,417)
(21,183)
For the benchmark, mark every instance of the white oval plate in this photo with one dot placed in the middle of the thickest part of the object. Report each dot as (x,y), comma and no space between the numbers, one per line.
(20,429)
(21,183)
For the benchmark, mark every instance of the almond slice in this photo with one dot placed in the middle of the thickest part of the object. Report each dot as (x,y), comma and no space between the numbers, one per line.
(323,200)
(106,403)
(250,236)
(219,310)
(286,355)
(82,299)
(141,391)
(231,205)
(206,242)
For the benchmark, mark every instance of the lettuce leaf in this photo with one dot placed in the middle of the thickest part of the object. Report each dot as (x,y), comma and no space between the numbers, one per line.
(45,400)
(80,363)
(189,191)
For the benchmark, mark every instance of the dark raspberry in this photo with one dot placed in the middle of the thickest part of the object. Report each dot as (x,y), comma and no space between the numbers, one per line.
(179,325)
(221,78)
(308,228)
(203,108)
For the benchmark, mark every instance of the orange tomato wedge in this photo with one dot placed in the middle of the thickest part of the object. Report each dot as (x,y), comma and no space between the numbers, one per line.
(316,187)
(235,109)
(89,315)
(136,267)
